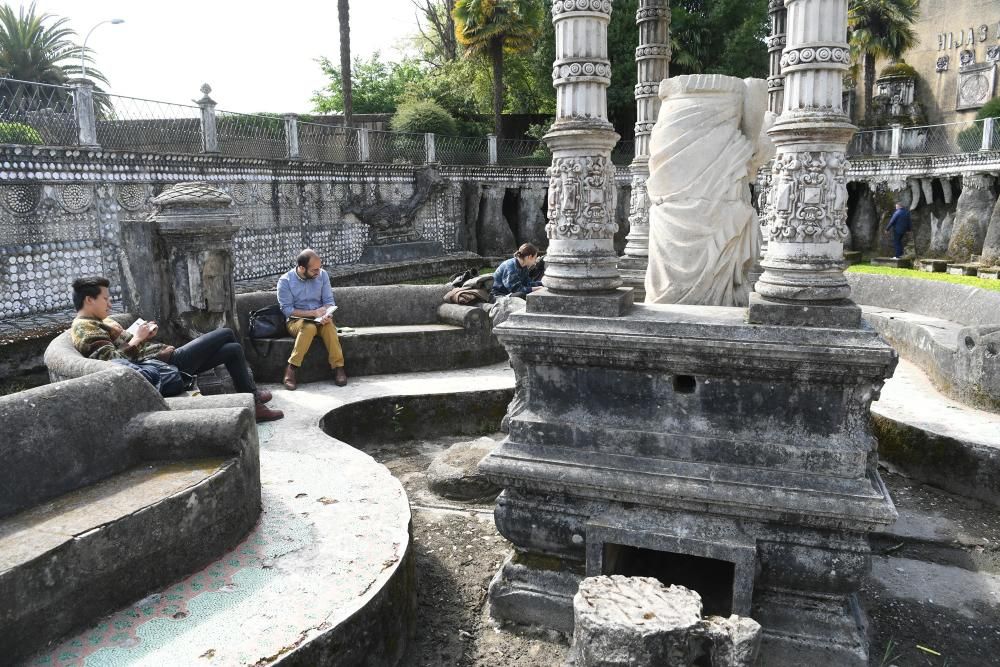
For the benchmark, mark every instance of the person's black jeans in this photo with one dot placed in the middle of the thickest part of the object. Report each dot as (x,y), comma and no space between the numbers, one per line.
(214,348)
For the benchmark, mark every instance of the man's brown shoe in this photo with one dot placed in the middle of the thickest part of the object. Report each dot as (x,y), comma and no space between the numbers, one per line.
(339,376)
(266,414)
(262,396)
(289,381)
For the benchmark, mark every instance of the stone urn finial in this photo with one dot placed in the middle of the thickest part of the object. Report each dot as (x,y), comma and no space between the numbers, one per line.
(205,99)
(192,195)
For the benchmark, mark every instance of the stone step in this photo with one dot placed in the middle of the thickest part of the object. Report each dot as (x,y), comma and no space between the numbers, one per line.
(939,527)
(963,269)
(935,439)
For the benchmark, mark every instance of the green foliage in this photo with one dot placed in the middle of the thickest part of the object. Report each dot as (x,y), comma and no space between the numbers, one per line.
(970,139)
(707,36)
(900,68)
(494,29)
(423,116)
(31,49)
(990,110)
(376,86)
(19,133)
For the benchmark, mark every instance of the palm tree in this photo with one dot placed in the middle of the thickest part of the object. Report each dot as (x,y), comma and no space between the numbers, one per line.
(344,19)
(492,27)
(34,50)
(880,29)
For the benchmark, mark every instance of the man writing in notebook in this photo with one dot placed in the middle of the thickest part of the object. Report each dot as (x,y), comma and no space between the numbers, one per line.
(306,299)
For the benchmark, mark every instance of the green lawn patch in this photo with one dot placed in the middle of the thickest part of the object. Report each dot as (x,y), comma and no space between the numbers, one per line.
(993,285)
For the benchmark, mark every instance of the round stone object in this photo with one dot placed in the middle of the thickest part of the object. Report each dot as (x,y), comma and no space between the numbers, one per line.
(454,473)
(621,621)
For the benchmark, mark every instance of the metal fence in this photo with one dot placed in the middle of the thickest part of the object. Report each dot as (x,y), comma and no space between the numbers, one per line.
(34,113)
(941,139)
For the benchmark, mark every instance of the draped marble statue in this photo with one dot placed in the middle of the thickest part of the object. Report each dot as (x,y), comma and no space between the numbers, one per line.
(708,141)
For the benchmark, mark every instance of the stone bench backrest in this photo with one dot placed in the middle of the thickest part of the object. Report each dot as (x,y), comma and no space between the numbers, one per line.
(63,436)
(375,306)
(963,304)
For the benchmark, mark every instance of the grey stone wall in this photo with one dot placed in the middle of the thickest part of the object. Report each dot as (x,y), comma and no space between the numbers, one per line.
(64,212)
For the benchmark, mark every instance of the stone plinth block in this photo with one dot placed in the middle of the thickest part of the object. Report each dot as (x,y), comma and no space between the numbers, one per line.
(963,269)
(893,262)
(843,315)
(933,265)
(852,256)
(992,273)
(454,473)
(598,304)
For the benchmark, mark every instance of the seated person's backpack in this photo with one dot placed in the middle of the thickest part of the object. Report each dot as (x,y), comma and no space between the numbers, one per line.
(459,278)
(167,378)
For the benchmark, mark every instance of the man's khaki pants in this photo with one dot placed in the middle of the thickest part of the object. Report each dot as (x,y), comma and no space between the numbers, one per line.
(304,332)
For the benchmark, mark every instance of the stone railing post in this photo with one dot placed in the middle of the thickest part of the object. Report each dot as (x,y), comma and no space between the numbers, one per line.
(491,141)
(803,281)
(209,135)
(430,155)
(897,140)
(364,148)
(652,59)
(581,267)
(775,45)
(83,107)
(987,144)
(292,135)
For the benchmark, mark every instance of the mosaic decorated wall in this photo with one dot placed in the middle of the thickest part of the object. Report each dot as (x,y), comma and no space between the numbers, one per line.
(62,212)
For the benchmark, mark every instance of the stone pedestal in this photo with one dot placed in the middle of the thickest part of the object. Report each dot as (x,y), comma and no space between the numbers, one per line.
(181,275)
(682,443)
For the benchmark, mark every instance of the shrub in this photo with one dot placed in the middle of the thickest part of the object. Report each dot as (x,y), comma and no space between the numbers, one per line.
(19,133)
(990,110)
(898,69)
(971,138)
(423,116)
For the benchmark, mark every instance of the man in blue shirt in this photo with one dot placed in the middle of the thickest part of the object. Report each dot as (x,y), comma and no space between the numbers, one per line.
(305,297)
(899,224)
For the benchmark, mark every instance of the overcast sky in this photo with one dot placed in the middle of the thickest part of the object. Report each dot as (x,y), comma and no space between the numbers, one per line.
(257,56)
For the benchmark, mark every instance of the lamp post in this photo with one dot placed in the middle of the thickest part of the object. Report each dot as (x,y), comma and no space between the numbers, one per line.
(83,49)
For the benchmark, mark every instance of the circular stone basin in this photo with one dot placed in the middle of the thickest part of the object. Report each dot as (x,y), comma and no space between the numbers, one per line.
(397,419)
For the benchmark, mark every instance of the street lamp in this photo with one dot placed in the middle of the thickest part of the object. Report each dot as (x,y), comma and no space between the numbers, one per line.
(83,49)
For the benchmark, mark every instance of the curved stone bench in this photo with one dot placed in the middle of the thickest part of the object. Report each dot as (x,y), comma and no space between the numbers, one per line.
(950,331)
(396,329)
(107,492)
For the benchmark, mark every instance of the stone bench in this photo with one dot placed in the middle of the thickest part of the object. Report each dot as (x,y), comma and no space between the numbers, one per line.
(108,492)
(950,331)
(394,329)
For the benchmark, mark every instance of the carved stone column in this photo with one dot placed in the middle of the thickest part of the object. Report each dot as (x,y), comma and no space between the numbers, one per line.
(652,59)
(803,281)
(581,265)
(775,45)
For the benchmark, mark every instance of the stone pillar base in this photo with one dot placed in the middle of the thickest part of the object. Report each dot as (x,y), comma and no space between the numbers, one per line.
(838,315)
(599,304)
(536,590)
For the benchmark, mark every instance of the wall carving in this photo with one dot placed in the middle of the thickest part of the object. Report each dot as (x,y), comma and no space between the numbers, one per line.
(581,190)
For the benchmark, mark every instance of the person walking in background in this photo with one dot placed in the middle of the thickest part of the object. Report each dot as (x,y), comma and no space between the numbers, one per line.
(899,224)
(513,277)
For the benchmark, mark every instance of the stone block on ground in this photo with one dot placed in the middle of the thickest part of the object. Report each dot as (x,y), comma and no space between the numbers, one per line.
(991,273)
(900,263)
(852,256)
(963,269)
(933,265)
(454,473)
(621,621)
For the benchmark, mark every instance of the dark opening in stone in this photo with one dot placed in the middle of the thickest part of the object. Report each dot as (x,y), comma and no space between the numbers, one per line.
(711,578)
(684,384)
